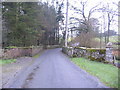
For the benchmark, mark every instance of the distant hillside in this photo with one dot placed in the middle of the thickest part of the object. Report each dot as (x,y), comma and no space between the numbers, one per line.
(112,38)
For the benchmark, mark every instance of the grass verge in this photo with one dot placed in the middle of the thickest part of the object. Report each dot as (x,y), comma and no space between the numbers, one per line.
(36,56)
(2,62)
(106,73)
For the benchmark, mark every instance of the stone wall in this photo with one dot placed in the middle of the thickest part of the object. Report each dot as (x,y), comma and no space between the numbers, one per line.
(95,54)
(19,52)
(109,55)
(36,50)
(68,51)
(1,53)
(10,53)
(106,55)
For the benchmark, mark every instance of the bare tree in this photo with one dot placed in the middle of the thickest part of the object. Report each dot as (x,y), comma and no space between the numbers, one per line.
(104,26)
(109,13)
(85,18)
(110,16)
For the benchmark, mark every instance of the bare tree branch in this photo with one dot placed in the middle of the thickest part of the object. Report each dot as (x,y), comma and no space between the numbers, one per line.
(93,9)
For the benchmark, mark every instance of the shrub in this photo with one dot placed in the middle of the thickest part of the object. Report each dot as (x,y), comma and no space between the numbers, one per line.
(86,40)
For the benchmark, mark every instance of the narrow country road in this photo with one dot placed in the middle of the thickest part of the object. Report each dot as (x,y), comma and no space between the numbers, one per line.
(53,69)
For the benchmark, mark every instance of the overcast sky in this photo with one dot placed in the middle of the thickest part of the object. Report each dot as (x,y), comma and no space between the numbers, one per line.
(90,4)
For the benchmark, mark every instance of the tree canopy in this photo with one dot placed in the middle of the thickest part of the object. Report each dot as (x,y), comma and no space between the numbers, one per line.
(29,23)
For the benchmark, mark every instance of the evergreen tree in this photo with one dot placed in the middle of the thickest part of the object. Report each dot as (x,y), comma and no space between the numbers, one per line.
(28,23)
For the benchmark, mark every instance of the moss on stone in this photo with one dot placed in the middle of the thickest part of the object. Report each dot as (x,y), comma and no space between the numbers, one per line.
(101,59)
(102,51)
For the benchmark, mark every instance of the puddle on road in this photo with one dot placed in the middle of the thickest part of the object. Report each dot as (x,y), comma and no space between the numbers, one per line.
(29,78)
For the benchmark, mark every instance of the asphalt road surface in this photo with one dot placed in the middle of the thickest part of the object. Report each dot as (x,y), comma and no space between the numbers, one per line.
(53,69)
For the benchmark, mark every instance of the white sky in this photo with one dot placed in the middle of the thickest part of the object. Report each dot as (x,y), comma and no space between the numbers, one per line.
(90,4)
